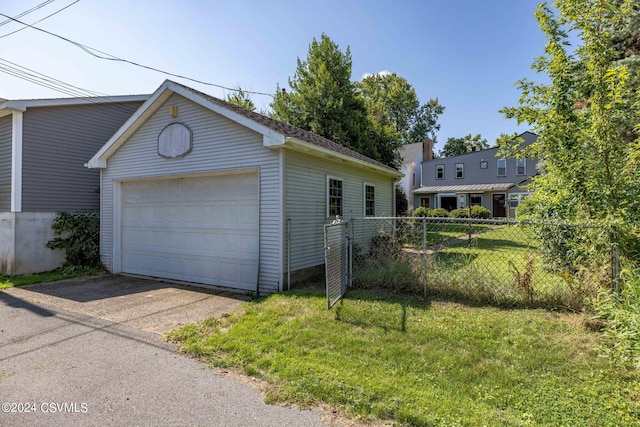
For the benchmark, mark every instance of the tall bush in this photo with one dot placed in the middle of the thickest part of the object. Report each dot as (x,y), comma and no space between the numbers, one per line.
(78,234)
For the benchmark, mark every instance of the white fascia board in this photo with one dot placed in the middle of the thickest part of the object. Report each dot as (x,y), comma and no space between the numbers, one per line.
(153,102)
(307,146)
(23,104)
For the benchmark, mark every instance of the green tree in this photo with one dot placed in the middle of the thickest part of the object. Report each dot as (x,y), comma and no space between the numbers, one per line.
(396,116)
(242,99)
(583,118)
(466,144)
(323,99)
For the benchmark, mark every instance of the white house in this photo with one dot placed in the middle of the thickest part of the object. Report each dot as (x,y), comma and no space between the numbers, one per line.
(199,190)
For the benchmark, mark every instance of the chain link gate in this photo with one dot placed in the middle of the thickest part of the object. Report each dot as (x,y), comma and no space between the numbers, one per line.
(337,257)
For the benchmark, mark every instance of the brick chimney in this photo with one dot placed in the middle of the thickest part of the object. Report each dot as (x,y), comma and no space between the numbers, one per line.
(427,149)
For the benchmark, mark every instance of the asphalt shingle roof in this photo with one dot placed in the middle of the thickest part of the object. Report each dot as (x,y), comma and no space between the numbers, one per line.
(288,130)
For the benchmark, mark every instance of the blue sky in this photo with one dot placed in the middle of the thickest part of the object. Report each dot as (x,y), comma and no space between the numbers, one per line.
(467,53)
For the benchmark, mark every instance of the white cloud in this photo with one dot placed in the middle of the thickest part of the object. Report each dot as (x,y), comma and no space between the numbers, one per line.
(379,73)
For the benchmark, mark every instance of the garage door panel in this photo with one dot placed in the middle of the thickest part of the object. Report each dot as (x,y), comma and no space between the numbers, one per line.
(203,230)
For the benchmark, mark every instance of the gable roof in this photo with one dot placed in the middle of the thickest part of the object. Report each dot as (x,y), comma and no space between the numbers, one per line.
(274,133)
(7,106)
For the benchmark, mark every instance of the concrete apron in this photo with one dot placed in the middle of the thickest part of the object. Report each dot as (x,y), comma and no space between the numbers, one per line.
(145,304)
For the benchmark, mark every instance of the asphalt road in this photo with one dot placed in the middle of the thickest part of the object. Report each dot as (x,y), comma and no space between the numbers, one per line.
(62,366)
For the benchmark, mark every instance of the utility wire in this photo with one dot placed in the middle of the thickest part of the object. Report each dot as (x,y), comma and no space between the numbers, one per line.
(40,20)
(26,12)
(40,79)
(25,73)
(110,57)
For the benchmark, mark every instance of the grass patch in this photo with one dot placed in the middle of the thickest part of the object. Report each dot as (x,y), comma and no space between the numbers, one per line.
(444,364)
(47,276)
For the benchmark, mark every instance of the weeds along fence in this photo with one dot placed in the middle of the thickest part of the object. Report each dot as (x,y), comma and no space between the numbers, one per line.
(486,261)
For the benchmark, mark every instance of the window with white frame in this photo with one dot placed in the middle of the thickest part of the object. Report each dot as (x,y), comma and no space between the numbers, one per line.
(334,196)
(459,170)
(502,167)
(515,199)
(521,166)
(475,199)
(369,200)
(439,171)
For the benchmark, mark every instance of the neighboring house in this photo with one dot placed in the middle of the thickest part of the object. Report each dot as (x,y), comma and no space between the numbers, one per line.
(412,157)
(44,144)
(477,178)
(196,189)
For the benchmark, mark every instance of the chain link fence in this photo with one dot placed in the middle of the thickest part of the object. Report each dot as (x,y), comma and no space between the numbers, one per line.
(486,261)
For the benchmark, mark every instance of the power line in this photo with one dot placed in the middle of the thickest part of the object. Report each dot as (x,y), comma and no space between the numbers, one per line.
(44,80)
(110,57)
(40,20)
(26,12)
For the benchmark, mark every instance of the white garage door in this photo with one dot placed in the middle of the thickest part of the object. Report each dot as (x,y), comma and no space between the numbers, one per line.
(202,230)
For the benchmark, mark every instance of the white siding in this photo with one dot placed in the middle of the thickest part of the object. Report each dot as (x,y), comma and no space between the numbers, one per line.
(305,201)
(218,144)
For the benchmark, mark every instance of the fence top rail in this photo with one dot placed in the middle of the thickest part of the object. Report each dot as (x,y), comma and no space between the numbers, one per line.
(468,220)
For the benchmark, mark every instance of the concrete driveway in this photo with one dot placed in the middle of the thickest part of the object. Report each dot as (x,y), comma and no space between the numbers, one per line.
(90,352)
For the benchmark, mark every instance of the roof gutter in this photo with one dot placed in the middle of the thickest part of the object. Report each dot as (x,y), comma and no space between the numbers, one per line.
(296,143)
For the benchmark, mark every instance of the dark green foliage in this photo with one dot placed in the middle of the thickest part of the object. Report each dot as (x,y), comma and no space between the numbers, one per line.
(480,212)
(78,234)
(402,204)
(440,213)
(395,114)
(323,99)
(466,144)
(241,99)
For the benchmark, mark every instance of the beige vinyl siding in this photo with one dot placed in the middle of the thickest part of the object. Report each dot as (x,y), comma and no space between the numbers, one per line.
(305,201)
(57,142)
(5,163)
(219,144)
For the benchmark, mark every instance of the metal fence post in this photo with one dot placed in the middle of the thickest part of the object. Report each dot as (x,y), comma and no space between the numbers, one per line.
(424,256)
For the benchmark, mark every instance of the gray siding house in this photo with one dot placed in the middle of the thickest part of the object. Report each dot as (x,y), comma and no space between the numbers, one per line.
(477,178)
(199,190)
(43,146)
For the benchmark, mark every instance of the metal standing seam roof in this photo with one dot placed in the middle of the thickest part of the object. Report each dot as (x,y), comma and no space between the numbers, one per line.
(289,130)
(469,188)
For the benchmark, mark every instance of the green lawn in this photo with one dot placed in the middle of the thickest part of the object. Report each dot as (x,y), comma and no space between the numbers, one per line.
(48,276)
(441,364)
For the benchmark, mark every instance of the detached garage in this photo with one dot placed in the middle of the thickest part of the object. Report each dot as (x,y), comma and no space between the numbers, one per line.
(199,190)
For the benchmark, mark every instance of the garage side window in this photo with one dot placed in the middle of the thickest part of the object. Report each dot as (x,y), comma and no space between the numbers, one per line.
(369,200)
(334,196)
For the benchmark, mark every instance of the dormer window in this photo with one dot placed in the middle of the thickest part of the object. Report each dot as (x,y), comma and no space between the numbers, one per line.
(439,171)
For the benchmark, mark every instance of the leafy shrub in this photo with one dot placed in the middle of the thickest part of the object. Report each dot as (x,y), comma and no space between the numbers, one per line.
(422,211)
(480,212)
(440,213)
(623,316)
(459,213)
(78,233)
